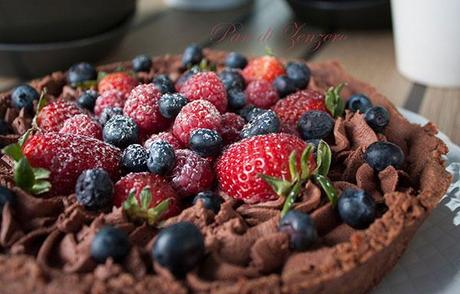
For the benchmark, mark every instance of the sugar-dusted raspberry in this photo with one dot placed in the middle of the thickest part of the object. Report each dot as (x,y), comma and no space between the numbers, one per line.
(261,93)
(83,125)
(163,136)
(232,124)
(120,81)
(110,98)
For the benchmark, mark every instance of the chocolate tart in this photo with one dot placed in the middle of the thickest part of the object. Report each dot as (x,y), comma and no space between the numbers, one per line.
(45,241)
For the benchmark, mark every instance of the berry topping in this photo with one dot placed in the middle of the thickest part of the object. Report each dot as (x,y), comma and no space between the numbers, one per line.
(210,200)
(299,73)
(185,76)
(52,116)
(206,86)
(206,142)
(87,100)
(164,84)
(250,112)
(377,118)
(108,113)
(142,107)
(141,63)
(315,125)
(380,155)
(232,124)
(168,137)
(94,189)
(284,86)
(236,60)
(263,68)
(83,125)
(179,248)
(236,99)
(80,73)
(171,104)
(120,131)
(300,228)
(112,98)
(262,124)
(161,158)
(120,81)
(232,79)
(6,196)
(4,127)
(23,97)
(192,55)
(110,242)
(261,94)
(359,102)
(192,173)
(198,114)
(356,208)
(134,159)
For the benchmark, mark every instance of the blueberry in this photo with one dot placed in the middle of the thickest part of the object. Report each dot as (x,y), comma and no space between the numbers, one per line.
(192,55)
(236,99)
(210,200)
(23,97)
(300,228)
(141,63)
(108,113)
(377,118)
(236,60)
(188,74)
(249,112)
(110,242)
(232,79)
(134,159)
(6,196)
(94,189)
(4,127)
(81,72)
(161,157)
(265,123)
(358,102)
(356,208)
(315,125)
(206,142)
(171,104)
(164,84)
(300,74)
(284,86)
(380,155)
(179,248)
(120,131)
(87,100)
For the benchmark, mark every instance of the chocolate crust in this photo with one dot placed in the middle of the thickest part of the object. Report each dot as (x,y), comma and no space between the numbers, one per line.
(354,265)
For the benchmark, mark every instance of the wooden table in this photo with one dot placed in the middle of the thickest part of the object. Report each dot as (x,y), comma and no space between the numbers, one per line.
(369,56)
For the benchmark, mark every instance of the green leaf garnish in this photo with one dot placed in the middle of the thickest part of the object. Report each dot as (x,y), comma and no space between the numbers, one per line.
(333,100)
(86,85)
(281,187)
(42,102)
(328,188)
(304,159)
(291,197)
(323,158)
(141,211)
(24,137)
(13,151)
(23,174)
(100,76)
(268,51)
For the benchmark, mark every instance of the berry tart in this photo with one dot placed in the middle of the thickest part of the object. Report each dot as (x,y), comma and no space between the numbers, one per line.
(209,172)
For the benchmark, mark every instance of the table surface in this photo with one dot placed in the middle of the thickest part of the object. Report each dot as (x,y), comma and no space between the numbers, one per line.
(368,55)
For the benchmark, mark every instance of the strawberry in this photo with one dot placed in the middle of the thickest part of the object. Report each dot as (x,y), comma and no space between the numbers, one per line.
(66,156)
(163,136)
(110,98)
(195,115)
(232,124)
(120,81)
(191,174)
(261,93)
(159,188)
(52,116)
(241,166)
(83,125)
(206,86)
(291,108)
(142,107)
(265,67)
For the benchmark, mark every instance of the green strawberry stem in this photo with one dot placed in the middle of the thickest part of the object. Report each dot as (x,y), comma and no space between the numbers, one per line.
(42,102)
(291,198)
(328,188)
(141,211)
(333,100)
(323,158)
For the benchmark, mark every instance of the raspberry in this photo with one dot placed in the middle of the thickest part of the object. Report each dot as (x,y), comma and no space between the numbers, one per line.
(261,94)
(163,136)
(53,115)
(120,81)
(232,124)
(265,67)
(83,125)
(110,98)
(207,86)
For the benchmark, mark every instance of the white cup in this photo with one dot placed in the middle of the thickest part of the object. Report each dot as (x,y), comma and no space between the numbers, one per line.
(427,40)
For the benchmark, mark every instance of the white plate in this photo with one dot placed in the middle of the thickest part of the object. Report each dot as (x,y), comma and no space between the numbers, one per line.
(431,263)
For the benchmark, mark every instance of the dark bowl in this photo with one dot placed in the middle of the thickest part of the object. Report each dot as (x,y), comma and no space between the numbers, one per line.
(33,60)
(40,21)
(344,14)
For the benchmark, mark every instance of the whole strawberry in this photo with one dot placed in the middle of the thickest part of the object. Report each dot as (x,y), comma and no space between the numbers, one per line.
(52,116)
(142,107)
(120,81)
(110,98)
(66,156)
(240,167)
(159,188)
(263,68)
(261,93)
(198,114)
(168,137)
(232,124)
(83,125)
(206,86)
(291,108)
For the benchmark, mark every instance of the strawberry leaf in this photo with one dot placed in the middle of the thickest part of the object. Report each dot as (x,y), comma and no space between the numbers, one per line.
(323,158)
(23,174)
(40,187)
(268,51)
(24,137)
(100,76)
(41,173)
(333,100)
(304,163)
(281,187)
(155,213)
(141,211)
(146,198)
(13,151)
(291,197)
(293,166)
(328,188)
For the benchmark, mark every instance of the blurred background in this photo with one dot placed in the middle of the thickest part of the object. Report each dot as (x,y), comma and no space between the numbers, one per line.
(37,37)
